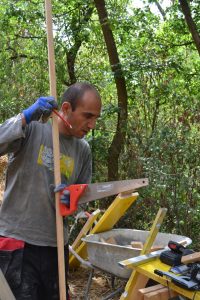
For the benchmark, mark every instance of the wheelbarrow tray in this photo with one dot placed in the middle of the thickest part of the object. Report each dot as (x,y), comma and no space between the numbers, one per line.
(106,256)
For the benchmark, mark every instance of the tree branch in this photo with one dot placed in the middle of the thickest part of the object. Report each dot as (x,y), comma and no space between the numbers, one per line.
(161,10)
(190,22)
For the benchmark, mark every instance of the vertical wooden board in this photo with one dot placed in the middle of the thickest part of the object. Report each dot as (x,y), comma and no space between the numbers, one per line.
(5,291)
(56,152)
(134,284)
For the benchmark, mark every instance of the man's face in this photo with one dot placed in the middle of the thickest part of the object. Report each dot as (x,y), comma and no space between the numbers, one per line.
(84,117)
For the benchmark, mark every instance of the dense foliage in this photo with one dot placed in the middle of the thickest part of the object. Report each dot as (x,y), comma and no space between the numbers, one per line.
(161,67)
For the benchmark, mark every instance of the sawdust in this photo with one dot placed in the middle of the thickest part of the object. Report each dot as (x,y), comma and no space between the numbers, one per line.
(100,287)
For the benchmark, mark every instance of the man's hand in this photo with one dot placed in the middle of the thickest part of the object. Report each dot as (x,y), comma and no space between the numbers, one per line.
(43,106)
(65,196)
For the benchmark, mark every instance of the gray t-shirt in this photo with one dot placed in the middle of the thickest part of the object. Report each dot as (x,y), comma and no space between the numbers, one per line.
(28,209)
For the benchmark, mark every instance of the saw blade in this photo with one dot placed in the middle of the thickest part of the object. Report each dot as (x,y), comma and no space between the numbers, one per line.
(97,191)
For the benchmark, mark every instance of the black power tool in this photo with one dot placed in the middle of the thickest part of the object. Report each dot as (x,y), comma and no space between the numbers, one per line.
(173,256)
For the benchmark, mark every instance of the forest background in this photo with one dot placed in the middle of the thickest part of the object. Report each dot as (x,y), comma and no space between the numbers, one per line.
(143,56)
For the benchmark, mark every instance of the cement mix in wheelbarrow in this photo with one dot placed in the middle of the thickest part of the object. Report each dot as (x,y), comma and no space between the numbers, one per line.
(106,255)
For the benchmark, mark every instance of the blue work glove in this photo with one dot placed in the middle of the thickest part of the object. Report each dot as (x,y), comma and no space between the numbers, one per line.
(65,197)
(42,107)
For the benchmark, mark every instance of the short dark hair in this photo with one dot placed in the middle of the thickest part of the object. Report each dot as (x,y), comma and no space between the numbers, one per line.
(76,91)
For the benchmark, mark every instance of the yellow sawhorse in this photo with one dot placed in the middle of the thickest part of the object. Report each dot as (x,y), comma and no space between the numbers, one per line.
(86,228)
(146,270)
(114,212)
(137,280)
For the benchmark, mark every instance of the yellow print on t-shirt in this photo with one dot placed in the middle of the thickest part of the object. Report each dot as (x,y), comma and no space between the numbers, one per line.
(45,158)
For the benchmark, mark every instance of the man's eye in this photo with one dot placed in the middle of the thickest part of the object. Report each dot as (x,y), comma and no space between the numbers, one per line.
(89,116)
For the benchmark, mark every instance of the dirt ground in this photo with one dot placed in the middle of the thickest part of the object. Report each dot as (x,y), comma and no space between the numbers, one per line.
(100,287)
(101,283)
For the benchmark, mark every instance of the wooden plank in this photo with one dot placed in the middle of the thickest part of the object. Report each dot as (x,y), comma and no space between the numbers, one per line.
(5,291)
(194,257)
(161,294)
(151,289)
(136,244)
(111,240)
(157,247)
(56,152)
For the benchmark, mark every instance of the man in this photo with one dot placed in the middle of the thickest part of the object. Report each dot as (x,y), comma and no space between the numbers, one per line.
(27,216)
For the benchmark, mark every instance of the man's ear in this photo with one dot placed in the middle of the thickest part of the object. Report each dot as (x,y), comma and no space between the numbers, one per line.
(66,108)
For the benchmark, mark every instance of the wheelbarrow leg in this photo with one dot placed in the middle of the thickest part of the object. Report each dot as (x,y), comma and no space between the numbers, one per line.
(86,297)
(111,295)
(112,281)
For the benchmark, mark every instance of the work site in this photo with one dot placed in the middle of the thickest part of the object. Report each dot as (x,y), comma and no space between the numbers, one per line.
(100,150)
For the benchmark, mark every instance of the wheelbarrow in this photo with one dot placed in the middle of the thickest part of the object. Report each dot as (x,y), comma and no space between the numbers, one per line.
(105,256)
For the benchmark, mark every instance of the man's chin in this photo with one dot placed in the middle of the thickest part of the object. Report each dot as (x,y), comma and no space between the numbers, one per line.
(81,135)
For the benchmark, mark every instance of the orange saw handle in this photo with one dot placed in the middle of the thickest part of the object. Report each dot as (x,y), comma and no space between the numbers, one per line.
(76,190)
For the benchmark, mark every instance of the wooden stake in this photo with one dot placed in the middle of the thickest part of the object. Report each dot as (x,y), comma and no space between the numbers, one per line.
(56,151)
(5,291)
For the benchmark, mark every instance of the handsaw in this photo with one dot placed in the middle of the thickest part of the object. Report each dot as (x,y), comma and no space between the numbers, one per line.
(83,193)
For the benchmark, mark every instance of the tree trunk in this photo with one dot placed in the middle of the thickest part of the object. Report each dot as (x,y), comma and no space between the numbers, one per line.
(78,39)
(118,141)
(190,22)
(71,57)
